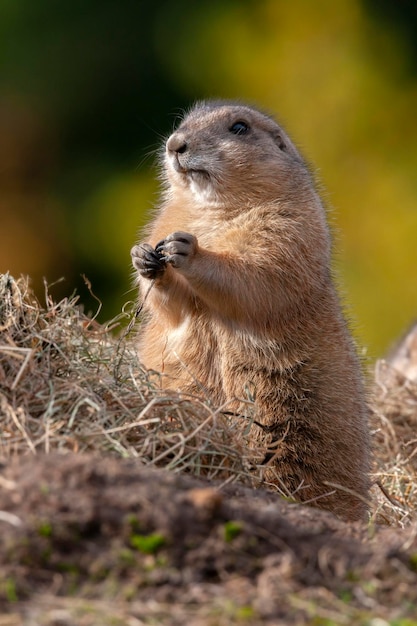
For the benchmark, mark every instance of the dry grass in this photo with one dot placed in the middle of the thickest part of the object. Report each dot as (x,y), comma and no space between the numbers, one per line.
(66,383)
(394,424)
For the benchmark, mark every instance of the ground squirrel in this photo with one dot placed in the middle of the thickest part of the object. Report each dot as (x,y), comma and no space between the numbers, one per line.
(239,252)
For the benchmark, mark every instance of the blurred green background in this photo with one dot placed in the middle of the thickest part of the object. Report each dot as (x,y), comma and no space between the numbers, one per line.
(88,90)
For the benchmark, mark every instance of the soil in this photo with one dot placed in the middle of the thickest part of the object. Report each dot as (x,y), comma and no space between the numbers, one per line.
(92,540)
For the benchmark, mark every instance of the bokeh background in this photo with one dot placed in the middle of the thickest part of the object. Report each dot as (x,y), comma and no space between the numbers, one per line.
(89,88)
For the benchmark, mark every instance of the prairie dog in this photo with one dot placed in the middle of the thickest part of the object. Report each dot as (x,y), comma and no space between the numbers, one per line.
(243,296)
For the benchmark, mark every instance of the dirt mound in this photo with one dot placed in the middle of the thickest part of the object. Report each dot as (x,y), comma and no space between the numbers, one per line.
(184,551)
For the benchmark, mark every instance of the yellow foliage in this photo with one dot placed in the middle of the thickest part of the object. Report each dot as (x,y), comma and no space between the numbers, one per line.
(114,215)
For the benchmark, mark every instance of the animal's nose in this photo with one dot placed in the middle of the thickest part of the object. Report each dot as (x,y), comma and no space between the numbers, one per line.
(176,143)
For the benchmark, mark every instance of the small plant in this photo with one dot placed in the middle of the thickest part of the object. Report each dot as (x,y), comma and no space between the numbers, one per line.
(133,522)
(45,529)
(148,544)
(10,589)
(245,613)
(232,530)
(413,562)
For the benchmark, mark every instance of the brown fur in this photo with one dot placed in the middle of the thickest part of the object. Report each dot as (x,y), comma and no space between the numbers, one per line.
(243,296)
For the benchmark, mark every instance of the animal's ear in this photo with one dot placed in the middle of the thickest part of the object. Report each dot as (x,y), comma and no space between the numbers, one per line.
(285,144)
(279,140)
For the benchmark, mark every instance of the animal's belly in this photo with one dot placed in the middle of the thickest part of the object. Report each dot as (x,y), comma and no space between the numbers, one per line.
(176,338)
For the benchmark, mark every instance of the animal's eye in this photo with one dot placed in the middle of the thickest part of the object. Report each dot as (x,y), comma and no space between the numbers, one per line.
(239,128)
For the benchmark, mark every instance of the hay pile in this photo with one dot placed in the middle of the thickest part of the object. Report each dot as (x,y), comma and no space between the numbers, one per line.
(394,428)
(67,383)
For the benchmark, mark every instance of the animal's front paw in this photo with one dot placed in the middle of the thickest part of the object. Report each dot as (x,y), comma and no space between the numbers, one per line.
(179,249)
(149,263)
